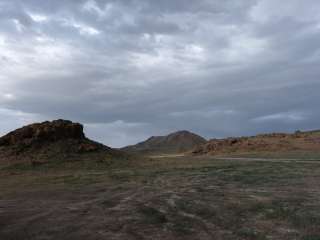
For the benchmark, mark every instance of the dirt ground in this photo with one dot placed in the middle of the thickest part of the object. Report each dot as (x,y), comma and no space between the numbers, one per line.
(165,198)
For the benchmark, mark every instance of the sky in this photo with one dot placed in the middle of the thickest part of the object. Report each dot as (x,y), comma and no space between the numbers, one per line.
(130,69)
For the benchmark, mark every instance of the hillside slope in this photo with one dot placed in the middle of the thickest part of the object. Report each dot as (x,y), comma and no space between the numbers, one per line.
(177,142)
(274,142)
(57,140)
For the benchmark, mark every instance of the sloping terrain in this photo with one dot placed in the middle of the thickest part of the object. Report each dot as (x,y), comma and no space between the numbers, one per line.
(177,142)
(59,140)
(275,142)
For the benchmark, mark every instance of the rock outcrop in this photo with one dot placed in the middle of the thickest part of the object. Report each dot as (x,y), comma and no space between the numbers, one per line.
(56,140)
(262,143)
(43,133)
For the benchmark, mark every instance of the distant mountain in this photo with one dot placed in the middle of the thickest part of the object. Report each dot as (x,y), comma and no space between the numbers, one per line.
(57,140)
(273,142)
(177,142)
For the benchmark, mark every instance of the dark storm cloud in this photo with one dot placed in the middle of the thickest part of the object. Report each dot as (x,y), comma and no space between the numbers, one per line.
(130,69)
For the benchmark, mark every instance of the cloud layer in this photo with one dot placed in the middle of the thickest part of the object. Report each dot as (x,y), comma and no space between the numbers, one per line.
(129,69)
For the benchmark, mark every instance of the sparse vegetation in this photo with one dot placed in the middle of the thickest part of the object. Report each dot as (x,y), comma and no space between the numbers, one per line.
(165,198)
(68,187)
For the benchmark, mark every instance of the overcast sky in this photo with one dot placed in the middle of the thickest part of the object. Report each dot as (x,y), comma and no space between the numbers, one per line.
(129,69)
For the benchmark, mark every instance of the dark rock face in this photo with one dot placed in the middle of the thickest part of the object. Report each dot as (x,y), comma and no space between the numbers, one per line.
(59,140)
(43,132)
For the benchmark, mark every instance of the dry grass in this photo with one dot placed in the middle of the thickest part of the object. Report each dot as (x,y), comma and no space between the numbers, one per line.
(165,198)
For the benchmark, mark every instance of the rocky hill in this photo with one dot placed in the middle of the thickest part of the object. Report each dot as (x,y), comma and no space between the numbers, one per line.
(177,142)
(274,142)
(57,140)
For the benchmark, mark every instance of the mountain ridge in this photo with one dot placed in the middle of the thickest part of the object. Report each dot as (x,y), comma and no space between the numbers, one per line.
(176,142)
